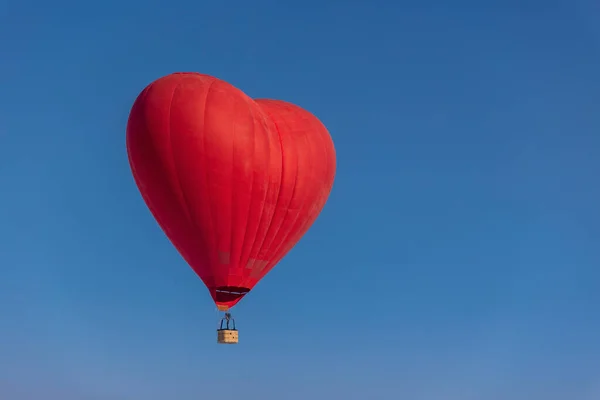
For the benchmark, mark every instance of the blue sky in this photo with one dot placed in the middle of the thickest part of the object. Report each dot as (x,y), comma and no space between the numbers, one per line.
(457,257)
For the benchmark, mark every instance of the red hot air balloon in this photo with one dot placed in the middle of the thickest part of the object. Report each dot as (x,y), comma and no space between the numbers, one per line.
(233,182)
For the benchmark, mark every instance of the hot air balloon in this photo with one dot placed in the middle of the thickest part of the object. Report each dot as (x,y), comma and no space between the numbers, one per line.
(233,182)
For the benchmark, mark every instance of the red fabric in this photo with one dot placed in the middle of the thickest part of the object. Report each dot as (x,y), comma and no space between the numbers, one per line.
(233,182)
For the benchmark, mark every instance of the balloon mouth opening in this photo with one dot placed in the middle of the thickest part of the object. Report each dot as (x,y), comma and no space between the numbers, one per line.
(228,296)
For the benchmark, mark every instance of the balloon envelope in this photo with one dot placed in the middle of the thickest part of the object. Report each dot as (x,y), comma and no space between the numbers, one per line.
(233,182)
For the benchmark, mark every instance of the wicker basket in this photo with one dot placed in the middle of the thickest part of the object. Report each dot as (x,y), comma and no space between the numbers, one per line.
(227,336)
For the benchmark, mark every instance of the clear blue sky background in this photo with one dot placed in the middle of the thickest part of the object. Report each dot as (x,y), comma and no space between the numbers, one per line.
(458,255)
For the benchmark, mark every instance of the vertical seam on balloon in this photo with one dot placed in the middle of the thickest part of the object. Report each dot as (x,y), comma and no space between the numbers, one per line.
(260,248)
(239,263)
(186,205)
(208,191)
(232,186)
(272,262)
(318,199)
(246,281)
(317,210)
(277,253)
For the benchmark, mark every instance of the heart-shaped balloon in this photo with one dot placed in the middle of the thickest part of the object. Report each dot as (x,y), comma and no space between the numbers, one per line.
(233,182)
